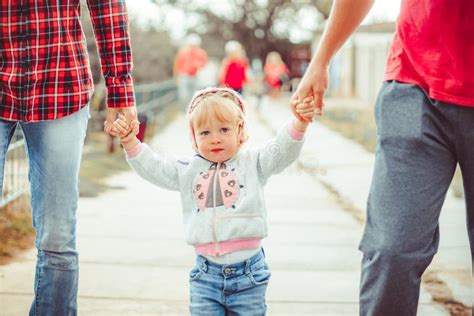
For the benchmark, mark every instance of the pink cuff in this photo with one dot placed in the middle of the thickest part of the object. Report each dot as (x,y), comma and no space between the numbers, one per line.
(294,133)
(228,246)
(134,151)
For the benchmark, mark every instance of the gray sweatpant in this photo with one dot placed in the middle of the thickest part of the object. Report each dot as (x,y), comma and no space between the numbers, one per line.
(419,143)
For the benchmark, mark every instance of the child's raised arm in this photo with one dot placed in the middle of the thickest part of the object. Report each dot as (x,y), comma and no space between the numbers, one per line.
(159,169)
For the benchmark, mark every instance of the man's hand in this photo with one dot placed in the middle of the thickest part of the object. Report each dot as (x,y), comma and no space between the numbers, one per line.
(130,114)
(313,84)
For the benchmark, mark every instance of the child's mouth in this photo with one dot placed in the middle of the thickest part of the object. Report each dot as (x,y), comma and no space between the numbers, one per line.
(217,150)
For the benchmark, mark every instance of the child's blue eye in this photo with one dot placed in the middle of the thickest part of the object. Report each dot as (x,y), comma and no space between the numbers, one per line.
(225,129)
(204,133)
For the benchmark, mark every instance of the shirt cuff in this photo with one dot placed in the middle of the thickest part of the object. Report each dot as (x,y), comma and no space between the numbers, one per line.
(134,151)
(294,133)
(120,95)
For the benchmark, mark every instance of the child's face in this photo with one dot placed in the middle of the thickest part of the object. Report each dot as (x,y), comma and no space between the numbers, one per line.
(217,141)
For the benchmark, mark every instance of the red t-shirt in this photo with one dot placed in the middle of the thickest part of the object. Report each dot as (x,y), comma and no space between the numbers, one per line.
(235,73)
(433,47)
(274,73)
(189,60)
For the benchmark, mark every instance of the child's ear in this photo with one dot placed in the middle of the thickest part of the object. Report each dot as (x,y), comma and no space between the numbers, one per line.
(241,132)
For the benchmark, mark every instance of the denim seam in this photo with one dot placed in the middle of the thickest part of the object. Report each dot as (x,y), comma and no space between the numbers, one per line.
(38,230)
(4,150)
(9,137)
(252,278)
(198,275)
(37,301)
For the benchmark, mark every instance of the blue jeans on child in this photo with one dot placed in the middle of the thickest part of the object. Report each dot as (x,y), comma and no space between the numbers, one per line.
(235,289)
(54,150)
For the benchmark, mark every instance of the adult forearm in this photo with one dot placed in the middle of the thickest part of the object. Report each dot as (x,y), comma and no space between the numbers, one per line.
(345,17)
(112,32)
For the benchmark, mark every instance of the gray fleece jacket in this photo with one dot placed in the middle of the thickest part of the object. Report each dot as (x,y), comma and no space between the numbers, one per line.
(221,201)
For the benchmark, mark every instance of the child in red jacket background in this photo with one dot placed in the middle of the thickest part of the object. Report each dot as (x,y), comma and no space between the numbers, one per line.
(234,68)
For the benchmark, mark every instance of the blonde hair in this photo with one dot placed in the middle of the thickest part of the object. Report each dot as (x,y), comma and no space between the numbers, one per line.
(220,104)
(274,58)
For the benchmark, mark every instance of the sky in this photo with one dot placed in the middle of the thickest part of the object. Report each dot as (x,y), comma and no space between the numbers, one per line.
(383,10)
(147,12)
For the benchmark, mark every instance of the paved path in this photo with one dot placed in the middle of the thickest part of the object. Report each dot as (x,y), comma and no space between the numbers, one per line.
(133,259)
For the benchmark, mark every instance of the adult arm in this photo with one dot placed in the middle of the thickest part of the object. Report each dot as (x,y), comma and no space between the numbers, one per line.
(111,29)
(345,17)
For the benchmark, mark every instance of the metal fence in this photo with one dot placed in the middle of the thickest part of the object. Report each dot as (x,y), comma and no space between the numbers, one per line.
(151,99)
(15,179)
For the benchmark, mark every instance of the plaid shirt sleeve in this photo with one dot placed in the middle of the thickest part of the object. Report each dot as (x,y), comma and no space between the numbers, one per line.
(111,28)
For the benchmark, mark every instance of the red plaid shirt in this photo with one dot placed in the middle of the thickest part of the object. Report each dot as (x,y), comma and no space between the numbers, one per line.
(44,67)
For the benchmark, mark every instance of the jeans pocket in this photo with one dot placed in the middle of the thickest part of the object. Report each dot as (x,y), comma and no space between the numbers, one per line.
(195,274)
(260,276)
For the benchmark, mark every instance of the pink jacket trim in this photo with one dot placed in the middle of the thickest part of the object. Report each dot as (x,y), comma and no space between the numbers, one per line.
(134,151)
(294,133)
(228,246)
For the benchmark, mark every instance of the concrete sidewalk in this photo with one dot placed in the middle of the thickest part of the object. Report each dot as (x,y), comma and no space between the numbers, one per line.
(133,259)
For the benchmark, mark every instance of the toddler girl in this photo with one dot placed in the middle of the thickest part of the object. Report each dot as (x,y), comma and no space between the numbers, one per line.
(221,190)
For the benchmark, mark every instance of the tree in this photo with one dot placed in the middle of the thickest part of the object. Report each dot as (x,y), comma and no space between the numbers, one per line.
(153,53)
(260,25)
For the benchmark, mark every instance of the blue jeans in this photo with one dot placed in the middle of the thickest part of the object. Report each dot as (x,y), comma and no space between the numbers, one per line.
(187,86)
(419,143)
(236,289)
(54,150)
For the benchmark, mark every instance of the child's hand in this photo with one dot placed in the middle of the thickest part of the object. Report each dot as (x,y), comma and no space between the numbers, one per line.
(301,109)
(305,109)
(122,126)
(303,112)
(127,139)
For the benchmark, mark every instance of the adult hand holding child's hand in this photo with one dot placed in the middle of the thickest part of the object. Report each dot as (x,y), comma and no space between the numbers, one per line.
(127,139)
(303,110)
(314,83)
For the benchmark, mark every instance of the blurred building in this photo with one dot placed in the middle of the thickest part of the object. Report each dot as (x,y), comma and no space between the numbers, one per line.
(358,68)
(299,58)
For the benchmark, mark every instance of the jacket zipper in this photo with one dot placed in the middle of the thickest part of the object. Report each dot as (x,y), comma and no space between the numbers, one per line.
(214,202)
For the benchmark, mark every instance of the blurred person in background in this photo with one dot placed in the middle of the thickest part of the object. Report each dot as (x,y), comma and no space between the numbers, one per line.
(234,68)
(189,60)
(46,88)
(276,73)
(207,76)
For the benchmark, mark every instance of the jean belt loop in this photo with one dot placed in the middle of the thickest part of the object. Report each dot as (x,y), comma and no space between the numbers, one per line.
(204,265)
(248,264)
